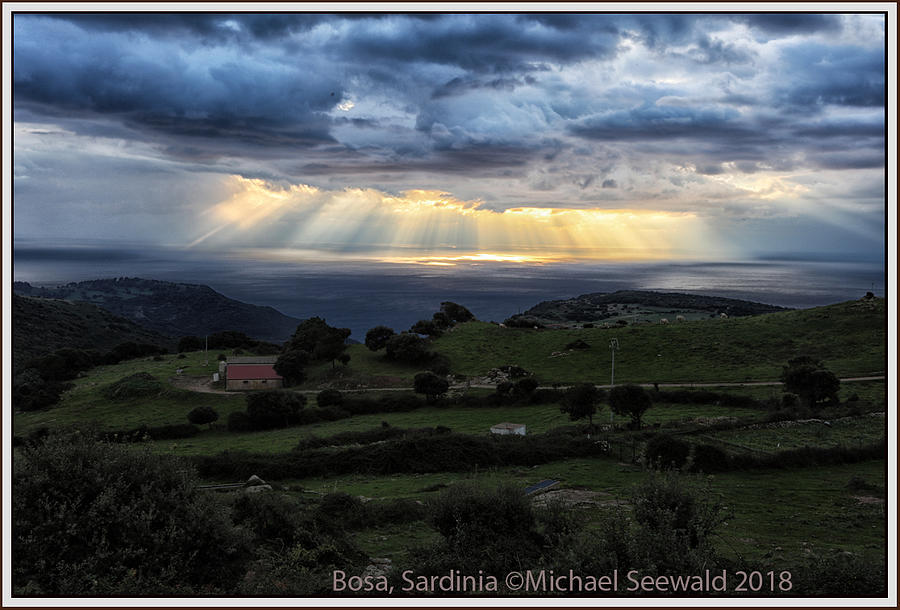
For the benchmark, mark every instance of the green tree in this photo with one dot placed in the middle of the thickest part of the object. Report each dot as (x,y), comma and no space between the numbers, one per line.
(315,337)
(203,415)
(630,400)
(426,327)
(431,385)
(290,365)
(580,401)
(92,518)
(456,313)
(378,337)
(810,380)
(408,348)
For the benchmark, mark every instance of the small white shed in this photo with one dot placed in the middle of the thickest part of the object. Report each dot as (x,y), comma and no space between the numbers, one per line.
(508,428)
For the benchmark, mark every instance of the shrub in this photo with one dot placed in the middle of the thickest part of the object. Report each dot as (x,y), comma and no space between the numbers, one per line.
(30,391)
(408,348)
(378,337)
(676,524)
(664,452)
(329,398)
(203,415)
(272,517)
(431,385)
(485,528)
(709,458)
(239,421)
(138,385)
(274,408)
(631,400)
(94,518)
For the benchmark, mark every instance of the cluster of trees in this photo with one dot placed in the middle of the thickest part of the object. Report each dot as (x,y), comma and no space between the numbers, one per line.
(412,347)
(313,341)
(583,401)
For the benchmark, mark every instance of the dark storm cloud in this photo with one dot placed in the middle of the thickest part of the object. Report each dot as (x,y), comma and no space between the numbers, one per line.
(840,75)
(662,122)
(481,43)
(791,23)
(156,86)
(480,95)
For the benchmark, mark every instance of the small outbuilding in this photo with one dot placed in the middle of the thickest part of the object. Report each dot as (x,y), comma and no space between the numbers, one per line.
(252,377)
(508,428)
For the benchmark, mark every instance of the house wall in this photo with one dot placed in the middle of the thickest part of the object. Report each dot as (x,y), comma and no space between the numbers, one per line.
(253,384)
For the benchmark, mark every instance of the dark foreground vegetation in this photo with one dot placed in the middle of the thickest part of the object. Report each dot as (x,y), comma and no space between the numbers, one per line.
(95,518)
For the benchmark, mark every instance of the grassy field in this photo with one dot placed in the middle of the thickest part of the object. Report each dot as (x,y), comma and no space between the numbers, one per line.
(778,516)
(537,419)
(844,432)
(848,337)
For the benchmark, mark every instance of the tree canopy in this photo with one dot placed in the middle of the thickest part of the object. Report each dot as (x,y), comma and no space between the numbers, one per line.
(580,401)
(810,380)
(630,400)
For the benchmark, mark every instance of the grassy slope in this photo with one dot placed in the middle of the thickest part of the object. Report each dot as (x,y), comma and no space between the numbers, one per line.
(848,337)
(85,402)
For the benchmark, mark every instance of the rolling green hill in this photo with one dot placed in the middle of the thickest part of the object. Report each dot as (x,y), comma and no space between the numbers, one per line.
(849,337)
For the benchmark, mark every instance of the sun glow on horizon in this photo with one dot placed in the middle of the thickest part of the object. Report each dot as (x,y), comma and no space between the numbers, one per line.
(435,228)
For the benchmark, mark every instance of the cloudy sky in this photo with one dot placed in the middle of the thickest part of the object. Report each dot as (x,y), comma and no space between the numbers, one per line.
(437,137)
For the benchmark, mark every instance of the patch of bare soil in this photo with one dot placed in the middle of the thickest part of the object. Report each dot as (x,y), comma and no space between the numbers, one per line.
(869,500)
(196,384)
(581,498)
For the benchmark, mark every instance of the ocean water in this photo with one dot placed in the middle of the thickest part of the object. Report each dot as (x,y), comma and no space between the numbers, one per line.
(361,294)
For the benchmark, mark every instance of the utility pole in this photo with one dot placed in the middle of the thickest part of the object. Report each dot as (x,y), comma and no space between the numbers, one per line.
(613,346)
(206,350)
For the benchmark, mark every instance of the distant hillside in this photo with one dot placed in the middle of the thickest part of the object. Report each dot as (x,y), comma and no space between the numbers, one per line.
(849,337)
(44,325)
(600,306)
(173,309)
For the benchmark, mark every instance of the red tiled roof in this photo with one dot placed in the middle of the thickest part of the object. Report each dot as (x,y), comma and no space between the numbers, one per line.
(251,371)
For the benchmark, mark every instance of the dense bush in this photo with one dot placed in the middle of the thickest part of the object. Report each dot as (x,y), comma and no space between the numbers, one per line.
(329,398)
(431,385)
(417,453)
(709,458)
(64,364)
(676,524)
(274,408)
(704,397)
(239,421)
(408,348)
(31,392)
(94,518)
(138,385)
(665,452)
(493,529)
(203,415)
(378,337)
